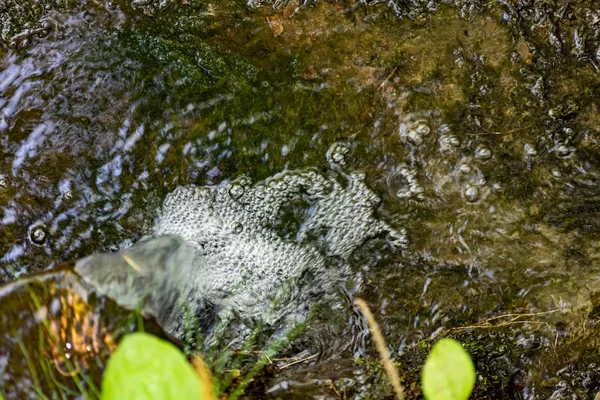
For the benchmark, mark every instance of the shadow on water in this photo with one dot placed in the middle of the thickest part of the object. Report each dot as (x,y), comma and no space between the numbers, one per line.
(475,122)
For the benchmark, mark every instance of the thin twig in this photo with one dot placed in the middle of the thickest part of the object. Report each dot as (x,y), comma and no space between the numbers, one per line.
(384,352)
(299,361)
(514,319)
(133,264)
(335,389)
(388,77)
(486,132)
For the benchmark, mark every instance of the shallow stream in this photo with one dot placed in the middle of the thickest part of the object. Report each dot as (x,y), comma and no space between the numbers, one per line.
(476,122)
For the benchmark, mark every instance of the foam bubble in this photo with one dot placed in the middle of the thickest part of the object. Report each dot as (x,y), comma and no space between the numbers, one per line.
(237,265)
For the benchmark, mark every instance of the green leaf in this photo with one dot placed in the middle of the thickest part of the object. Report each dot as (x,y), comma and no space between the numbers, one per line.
(145,367)
(448,373)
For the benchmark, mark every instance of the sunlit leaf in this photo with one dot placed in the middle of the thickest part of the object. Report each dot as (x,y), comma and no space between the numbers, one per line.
(145,367)
(448,373)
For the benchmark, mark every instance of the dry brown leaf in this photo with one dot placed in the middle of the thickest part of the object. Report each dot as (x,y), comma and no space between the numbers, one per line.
(523,50)
(275,25)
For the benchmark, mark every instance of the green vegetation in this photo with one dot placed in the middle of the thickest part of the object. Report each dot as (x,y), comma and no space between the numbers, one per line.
(448,373)
(145,367)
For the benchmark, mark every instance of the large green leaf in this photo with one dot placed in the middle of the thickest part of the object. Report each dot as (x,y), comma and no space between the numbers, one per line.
(146,368)
(448,373)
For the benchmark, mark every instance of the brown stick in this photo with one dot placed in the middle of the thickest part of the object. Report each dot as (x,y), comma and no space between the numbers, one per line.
(384,353)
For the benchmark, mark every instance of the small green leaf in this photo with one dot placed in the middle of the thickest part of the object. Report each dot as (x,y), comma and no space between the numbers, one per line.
(448,373)
(146,368)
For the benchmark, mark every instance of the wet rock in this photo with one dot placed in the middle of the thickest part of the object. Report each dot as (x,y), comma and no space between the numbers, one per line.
(56,329)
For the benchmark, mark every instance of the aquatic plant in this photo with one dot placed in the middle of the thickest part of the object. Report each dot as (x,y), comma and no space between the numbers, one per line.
(145,367)
(449,373)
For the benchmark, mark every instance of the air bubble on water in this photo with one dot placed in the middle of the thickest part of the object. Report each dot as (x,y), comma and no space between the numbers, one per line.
(3,182)
(556,173)
(236,191)
(38,234)
(237,227)
(342,217)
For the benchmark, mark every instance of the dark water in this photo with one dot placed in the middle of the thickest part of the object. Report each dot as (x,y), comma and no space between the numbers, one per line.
(476,122)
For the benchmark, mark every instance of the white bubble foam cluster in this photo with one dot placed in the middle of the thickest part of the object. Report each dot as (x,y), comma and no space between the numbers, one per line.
(244,269)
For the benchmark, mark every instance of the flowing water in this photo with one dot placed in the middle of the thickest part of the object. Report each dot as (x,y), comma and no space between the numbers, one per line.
(475,122)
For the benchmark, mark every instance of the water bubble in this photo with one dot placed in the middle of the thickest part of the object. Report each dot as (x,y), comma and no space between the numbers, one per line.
(471,194)
(3,182)
(483,153)
(236,191)
(68,195)
(556,173)
(238,227)
(246,272)
(38,234)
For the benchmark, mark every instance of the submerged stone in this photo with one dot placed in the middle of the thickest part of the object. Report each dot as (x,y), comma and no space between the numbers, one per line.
(56,331)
